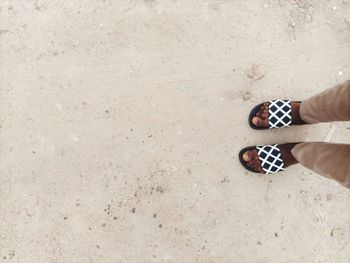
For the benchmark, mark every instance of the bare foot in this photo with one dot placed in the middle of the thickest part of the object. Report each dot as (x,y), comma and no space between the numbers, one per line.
(261,119)
(252,159)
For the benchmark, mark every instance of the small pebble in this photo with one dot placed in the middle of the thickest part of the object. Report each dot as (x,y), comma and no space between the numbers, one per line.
(308,18)
(340,73)
(255,72)
(247,96)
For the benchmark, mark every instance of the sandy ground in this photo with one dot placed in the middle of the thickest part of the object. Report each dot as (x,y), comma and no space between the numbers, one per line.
(121,122)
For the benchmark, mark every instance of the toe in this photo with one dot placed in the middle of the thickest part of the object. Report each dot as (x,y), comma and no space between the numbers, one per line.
(259,169)
(251,164)
(252,160)
(255,121)
(260,122)
(256,164)
(264,115)
(247,156)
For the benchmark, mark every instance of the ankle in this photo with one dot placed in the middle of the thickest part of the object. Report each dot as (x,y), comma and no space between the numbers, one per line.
(297,120)
(286,153)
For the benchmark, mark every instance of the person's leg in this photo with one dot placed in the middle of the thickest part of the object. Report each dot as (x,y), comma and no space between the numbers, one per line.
(328,159)
(331,105)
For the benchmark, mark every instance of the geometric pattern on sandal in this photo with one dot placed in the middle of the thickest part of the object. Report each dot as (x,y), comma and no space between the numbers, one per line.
(280,113)
(270,158)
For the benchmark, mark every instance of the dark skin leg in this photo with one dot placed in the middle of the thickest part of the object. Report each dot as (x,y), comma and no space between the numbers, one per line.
(252,159)
(262,117)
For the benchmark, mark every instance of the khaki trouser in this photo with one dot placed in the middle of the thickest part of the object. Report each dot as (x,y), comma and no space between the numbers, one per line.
(328,159)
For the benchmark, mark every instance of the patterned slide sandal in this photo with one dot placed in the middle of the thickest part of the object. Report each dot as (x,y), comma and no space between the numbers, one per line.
(280,114)
(269,156)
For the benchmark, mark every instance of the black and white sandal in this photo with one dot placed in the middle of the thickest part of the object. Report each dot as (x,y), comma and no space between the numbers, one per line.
(280,114)
(270,158)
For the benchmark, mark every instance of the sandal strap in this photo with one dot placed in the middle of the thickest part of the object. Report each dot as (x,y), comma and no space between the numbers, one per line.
(280,113)
(270,158)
